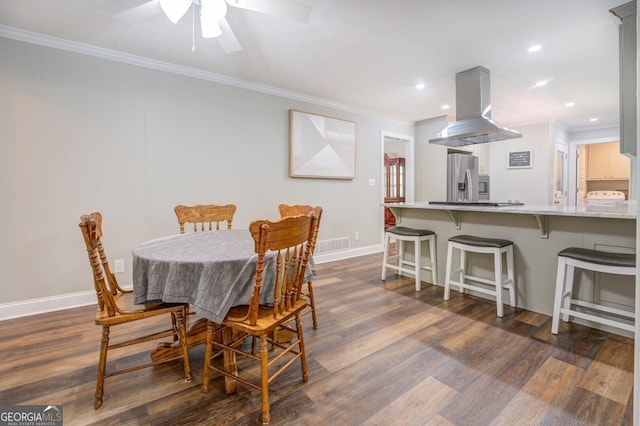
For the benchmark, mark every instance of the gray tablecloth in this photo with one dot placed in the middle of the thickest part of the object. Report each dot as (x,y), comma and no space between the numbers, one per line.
(211,270)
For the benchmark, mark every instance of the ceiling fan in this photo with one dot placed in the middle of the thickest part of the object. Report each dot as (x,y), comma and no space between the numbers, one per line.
(213,14)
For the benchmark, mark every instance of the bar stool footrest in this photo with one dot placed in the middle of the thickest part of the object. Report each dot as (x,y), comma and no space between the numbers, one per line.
(602,308)
(598,319)
(412,271)
(505,283)
(461,286)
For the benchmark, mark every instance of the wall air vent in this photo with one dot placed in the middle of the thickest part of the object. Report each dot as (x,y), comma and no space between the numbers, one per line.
(337,244)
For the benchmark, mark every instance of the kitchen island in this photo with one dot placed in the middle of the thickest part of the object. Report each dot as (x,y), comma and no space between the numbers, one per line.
(539,232)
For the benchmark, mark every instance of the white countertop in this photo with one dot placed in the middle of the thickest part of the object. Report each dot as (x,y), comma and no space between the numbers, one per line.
(626,210)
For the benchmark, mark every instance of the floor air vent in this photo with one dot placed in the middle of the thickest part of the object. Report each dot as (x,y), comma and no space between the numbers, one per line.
(338,244)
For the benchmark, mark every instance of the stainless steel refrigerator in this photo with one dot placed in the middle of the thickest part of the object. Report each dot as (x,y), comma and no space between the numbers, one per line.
(462,178)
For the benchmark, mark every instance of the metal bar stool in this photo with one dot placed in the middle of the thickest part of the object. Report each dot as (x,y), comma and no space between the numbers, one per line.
(494,246)
(590,260)
(417,236)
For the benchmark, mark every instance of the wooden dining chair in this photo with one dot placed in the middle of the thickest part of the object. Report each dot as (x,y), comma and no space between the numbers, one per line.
(116,307)
(203,216)
(294,210)
(287,243)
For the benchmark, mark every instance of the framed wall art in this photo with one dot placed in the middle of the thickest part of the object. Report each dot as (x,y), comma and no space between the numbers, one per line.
(321,147)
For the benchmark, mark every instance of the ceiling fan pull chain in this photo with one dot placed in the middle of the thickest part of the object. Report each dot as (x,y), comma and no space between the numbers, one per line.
(193,29)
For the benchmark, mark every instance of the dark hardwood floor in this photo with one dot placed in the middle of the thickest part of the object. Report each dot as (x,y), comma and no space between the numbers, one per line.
(382,355)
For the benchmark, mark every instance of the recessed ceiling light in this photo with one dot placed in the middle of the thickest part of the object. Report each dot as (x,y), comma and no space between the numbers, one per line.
(420,86)
(541,83)
(445,107)
(570,104)
(594,119)
(534,48)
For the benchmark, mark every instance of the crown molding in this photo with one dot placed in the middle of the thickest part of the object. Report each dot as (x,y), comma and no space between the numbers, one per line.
(140,61)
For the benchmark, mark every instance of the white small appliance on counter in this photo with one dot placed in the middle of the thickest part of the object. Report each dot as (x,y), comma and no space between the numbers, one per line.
(604,197)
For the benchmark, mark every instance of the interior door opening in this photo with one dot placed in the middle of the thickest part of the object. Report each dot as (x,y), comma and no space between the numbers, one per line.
(397,180)
(597,166)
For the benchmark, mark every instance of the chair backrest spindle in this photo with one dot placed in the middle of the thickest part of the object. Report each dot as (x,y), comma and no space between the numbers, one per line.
(290,240)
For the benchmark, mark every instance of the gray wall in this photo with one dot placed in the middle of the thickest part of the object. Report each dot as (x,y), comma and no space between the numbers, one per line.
(81,134)
(431,161)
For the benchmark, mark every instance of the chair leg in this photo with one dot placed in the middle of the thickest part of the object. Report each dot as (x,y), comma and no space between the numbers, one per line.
(417,261)
(567,291)
(230,366)
(385,257)
(264,373)
(400,255)
(511,277)
(497,265)
(447,277)
(207,357)
(303,353)
(180,318)
(557,301)
(434,260)
(312,302)
(462,270)
(102,366)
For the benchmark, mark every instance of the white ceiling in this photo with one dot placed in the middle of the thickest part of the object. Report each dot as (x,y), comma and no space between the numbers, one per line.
(368,55)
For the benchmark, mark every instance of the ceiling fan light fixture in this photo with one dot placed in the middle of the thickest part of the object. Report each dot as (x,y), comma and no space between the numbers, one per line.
(212,11)
(175,9)
(210,29)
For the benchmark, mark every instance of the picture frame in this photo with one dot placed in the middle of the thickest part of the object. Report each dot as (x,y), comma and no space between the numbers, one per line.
(321,147)
(520,159)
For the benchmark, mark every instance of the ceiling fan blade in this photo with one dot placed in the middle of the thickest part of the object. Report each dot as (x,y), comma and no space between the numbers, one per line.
(175,9)
(211,11)
(227,39)
(141,12)
(288,9)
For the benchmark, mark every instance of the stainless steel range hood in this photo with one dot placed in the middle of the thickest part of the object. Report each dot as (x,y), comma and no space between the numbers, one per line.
(473,113)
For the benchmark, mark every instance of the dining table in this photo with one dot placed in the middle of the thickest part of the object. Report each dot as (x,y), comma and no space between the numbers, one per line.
(211,270)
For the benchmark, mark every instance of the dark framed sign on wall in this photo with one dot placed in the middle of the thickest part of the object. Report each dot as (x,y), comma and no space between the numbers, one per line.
(520,159)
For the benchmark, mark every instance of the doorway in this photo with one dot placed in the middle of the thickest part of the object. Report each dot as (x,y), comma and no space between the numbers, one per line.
(397,180)
(560,174)
(596,165)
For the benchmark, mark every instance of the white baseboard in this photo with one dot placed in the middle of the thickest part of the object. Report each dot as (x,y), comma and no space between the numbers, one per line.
(25,308)
(43,305)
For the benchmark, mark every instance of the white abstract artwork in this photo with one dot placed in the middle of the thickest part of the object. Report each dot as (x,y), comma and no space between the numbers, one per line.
(321,147)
